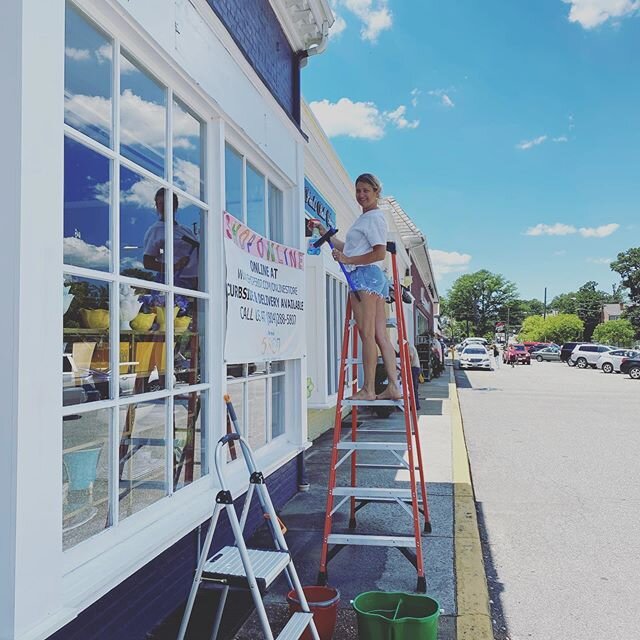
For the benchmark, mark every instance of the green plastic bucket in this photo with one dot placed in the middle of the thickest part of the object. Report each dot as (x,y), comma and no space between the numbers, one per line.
(396,616)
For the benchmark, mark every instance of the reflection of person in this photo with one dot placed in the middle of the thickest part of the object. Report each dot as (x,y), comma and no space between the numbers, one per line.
(186,247)
(415,372)
(363,253)
(496,354)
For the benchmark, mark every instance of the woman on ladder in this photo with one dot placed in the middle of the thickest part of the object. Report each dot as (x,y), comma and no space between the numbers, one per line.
(363,253)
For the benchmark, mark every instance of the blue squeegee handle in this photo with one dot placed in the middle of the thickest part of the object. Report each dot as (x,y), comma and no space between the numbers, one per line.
(327,238)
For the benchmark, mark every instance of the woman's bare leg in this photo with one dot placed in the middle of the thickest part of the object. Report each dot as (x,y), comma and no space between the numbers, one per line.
(392,392)
(365,315)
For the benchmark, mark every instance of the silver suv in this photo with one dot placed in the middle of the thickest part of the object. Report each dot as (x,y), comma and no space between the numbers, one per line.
(585,355)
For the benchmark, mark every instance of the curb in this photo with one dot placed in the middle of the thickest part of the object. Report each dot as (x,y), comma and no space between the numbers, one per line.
(473,621)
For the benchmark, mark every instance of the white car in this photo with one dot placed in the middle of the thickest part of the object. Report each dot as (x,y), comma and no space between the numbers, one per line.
(610,361)
(475,356)
(587,355)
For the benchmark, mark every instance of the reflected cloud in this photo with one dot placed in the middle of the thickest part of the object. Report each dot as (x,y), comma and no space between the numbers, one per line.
(90,256)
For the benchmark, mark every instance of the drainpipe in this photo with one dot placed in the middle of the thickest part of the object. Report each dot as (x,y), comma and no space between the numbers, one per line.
(319,47)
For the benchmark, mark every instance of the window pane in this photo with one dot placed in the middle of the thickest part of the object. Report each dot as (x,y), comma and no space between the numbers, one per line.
(189,247)
(142,346)
(257,418)
(233,182)
(86,207)
(189,444)
(329,334)
(277,406)
(142,117)
(85,476)
(142,229)
(188,160)
(236,392)
(189,334)
(277,366)
(87,78)
(276,223)
(86,339)
(141,452)
(255,201)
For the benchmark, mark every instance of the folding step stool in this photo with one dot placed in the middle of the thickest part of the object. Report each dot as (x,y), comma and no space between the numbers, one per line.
(237,566)
(358,496)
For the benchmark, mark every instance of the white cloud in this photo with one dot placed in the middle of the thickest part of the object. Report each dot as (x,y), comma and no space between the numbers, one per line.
(445,100)
(448,261)
(529,144)
(606,261)
(337,27)
(561,252)
(187,176)
(397,117)
(560,139)
(90,256)
(557,229)
(591,13)
(140,194)
(374,15)
(347,118)
(414,97)
(81,110)
(599,232)
(78,55)
(105,54)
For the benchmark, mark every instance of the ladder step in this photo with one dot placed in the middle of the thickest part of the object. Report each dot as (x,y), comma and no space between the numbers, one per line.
(378,432)
(296,626)
(367,465)
(372,492)
(372,446)
(372,541)
(373,403)
(392,323)
(226,567)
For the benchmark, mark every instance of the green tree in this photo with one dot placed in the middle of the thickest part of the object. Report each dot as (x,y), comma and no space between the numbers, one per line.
(533,329)
(627,265)
(619,333)
(479,299)
(522,309)
(563,327)
(564,303)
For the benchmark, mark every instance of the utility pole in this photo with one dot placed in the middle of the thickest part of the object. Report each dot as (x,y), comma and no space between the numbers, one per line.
(544,313)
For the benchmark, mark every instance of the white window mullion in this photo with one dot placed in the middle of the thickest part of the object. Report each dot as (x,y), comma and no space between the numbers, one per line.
(245,196)
(169,461)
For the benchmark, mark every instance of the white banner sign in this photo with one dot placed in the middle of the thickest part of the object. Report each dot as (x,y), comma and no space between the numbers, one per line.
(265,297)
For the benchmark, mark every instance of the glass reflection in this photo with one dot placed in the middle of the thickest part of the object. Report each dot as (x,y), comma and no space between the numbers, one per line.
(277,406)
(189,335)
(255,201)
(85,476)
(276,222)
(189,450)
(257,419)
(141,228)
(233,182)
(236,392)
(86,207)
(188,161)
(141,455)
(143,352)
(142,117)
(86,365)
(188,245)
(87,77)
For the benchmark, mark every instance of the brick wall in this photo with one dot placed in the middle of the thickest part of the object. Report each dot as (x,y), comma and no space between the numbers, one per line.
(140,603)
(256,30)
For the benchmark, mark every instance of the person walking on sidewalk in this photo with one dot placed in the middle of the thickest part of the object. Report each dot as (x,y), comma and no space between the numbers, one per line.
(415,372)
(363,253)
(496,354)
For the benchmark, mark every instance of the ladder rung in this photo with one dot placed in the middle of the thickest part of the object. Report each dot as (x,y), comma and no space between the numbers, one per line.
(373,403)
(372,446)
(374,541)
(392,323)
(296,626)
(226,567)
(372,492)
(367,465)
(367,431)
(349,361)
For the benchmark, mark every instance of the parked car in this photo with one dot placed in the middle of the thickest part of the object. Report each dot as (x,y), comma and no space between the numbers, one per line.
(566,351)
(610,360)
(516,353)
(587,355)
(475,356)
(631,366)
(548,354)
(531,346)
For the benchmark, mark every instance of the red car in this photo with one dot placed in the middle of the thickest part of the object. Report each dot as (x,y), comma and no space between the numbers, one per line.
(516,353)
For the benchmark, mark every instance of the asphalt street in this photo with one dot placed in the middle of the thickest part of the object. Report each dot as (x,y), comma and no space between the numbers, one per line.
(554,454)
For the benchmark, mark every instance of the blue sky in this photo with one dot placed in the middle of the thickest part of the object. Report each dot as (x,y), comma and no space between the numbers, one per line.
(509,131)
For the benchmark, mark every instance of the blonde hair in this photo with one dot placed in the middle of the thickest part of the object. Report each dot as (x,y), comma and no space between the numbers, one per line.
(370,179)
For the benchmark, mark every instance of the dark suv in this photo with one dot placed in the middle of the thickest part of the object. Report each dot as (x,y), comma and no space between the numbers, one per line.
(631,366)
(566,350)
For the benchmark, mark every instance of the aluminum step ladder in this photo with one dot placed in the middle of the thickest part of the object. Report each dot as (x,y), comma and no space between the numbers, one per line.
(239,567)
(406,454)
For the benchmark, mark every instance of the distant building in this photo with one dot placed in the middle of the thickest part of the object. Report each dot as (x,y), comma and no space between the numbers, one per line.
(611,311)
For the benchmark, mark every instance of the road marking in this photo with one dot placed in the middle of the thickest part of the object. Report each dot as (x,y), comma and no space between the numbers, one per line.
(472,595)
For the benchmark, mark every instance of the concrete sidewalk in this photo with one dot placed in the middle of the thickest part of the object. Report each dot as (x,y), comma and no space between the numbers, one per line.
(358,569)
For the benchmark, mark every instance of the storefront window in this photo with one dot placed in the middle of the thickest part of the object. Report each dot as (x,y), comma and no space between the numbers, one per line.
(256,205)
(233,180)
(335,309)
(134,289)
(276,211)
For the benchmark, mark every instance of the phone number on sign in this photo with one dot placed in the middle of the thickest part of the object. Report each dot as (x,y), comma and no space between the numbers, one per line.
(276,318)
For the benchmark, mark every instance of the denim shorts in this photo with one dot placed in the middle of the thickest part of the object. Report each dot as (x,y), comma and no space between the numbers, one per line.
(370,278)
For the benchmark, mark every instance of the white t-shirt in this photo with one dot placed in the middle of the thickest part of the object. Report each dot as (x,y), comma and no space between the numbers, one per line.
(369,230)
(154,246)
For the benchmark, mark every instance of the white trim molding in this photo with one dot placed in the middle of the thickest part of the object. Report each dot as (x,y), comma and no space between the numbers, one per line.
(306,23)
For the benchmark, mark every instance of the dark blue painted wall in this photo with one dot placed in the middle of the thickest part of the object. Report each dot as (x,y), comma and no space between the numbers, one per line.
(140,603)
(256,30)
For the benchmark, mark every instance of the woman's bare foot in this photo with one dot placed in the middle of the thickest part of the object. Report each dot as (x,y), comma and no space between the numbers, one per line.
(390,393)
(363,394)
